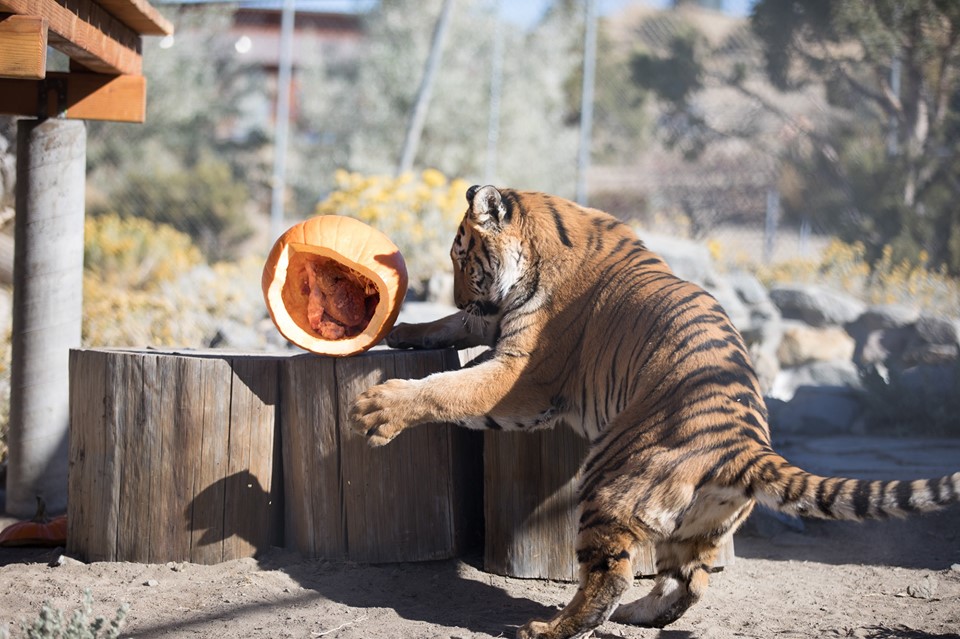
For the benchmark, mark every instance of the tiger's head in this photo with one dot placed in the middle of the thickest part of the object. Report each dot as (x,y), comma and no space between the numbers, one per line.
(487,253)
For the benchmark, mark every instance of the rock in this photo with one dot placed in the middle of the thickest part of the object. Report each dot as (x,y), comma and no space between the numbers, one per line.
(840,373)
(884,316)
(818,410)
(933,341)
(930,380)
(880,348)
(689,260)
(750,290)
(926,588)
(802,344)
(955,567)
(816,305)
(151,583)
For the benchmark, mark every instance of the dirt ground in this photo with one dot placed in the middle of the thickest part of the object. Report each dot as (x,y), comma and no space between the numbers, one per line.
(898,579)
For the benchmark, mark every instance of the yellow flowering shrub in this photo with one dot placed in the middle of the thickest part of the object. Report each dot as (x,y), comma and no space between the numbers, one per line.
(844,267)
(418,212)
(128,262)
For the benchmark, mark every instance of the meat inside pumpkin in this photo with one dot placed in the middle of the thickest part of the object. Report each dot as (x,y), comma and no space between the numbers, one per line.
(340,302)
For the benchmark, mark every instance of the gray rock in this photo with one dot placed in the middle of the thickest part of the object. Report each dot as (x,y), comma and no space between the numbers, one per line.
(802,344)
(840,373)
(936,330)
(818,410)
(816,305)
(750,290)
(689,260)
(884,316)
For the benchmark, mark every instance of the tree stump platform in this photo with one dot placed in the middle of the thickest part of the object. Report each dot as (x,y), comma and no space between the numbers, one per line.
(206,457)
(211,456)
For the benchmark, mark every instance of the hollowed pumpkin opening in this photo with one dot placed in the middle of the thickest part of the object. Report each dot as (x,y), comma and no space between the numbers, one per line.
(339,302)
(334,285)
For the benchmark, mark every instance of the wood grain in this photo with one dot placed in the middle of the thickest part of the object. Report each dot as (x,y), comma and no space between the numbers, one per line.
(23,47)
(86,32)
(172,457)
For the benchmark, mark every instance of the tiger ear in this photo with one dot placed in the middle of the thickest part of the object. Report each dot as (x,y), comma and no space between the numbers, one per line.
(486,204)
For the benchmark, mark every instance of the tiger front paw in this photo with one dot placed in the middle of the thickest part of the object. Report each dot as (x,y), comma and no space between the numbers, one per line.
(382,412)
(413,336)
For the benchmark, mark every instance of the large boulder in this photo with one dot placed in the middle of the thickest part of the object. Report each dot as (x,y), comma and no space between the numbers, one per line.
(839,373)
(896,337)
(818,410)
(816,305)
(802,344)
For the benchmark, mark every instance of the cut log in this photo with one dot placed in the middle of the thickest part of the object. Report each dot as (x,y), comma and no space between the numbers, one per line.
(172,456)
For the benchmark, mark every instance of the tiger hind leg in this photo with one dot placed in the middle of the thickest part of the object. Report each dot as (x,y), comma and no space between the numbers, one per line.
(606,572)
(683,574)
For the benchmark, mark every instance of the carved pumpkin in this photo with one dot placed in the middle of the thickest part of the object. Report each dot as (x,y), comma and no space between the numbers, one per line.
(39,531)
(334,285)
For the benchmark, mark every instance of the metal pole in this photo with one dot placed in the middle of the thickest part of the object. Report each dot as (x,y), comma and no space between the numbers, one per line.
(419,116)
(47,308)
(772,222)
(586,100)
(496,89)
(284,80)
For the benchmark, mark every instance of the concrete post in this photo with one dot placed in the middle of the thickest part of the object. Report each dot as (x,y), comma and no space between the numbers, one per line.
(47,301)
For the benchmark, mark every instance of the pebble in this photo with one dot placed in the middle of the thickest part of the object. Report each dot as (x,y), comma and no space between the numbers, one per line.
(151,583)
(926,588)
(955,567)
(63,560)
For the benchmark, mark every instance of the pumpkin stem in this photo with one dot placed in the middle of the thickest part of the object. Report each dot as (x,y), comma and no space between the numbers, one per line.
(41,516)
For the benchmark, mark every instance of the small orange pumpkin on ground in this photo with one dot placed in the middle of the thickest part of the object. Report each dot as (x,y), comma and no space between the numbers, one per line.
(39,531)
(334,285)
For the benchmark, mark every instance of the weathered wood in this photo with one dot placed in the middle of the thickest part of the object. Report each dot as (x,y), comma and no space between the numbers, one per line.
(313,510)
(530,505)
(172,456)
(139,15)
(23,46)
(408,501)
(77,96)
(94,493)
(86,32)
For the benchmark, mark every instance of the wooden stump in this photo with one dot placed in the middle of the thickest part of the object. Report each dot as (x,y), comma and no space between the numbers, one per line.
(415,499)
(172,456)
(530,506)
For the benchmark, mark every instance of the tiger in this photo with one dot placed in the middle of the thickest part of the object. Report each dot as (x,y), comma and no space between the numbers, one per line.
(585,325)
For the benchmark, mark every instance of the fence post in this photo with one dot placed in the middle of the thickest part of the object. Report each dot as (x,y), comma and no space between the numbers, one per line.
(47,307)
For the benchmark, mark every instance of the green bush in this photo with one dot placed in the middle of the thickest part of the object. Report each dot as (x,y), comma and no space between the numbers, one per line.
(204,201)
(52,623)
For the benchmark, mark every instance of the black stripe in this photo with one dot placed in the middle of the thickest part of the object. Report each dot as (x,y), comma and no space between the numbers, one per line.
(861,499)
(904,493)
(493,424)
(561,229)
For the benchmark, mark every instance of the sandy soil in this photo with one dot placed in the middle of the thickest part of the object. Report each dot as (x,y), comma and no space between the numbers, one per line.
(878,580)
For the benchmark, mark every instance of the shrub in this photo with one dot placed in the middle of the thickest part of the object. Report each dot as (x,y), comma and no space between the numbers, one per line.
(845,267)
(53,624)
(203,201)
(419,213)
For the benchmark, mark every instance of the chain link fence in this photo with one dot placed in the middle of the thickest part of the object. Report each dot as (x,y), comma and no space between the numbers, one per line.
(505,108)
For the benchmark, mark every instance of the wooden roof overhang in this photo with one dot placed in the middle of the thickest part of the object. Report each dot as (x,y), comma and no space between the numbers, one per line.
(102,38)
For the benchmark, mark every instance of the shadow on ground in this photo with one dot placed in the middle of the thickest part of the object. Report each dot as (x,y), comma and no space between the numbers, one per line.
(930,541)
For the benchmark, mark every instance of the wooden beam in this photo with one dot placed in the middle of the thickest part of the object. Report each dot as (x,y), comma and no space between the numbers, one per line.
(23,46)
(77,96)
(86,33)
(139,15)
